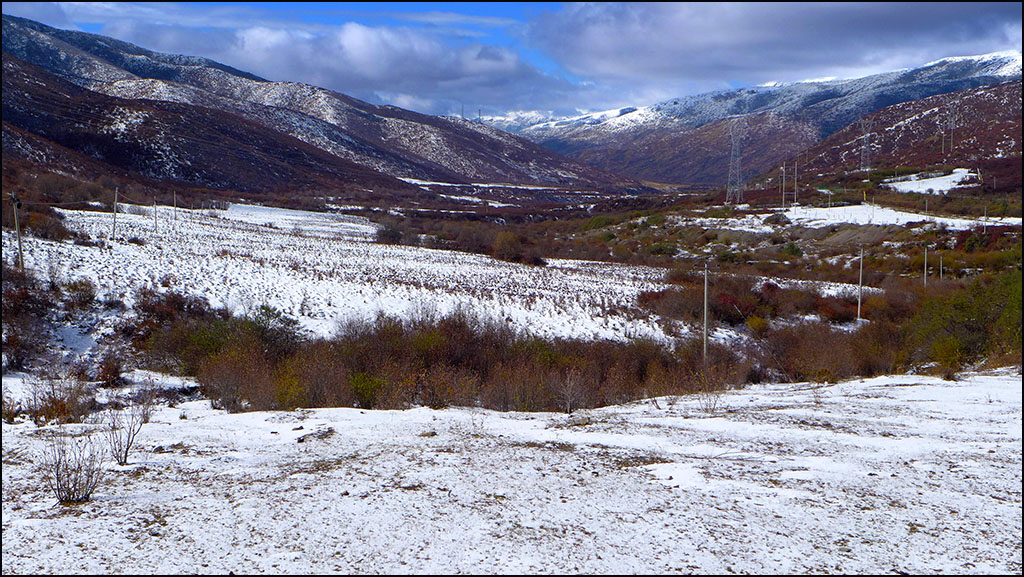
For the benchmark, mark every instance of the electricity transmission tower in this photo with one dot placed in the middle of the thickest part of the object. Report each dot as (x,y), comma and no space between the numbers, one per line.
(952,116)
(865,146)
(734,188)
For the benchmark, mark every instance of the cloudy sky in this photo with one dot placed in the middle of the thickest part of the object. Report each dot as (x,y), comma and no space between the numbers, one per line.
(562,58)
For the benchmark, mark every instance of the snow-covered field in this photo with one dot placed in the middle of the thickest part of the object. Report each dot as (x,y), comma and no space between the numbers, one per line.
(815,217)
(924,184)
(862,214)
(322,269)
(894,474)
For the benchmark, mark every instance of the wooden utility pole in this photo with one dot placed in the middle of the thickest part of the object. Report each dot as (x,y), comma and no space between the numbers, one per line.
(796,186)
(21,252)
(926,265)
(782,186)
(705,312)
(113,229)
(860,282)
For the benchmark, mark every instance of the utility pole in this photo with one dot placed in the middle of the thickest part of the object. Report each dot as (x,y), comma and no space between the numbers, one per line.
(925,265)
(782,186)
(21,252)
(154,215)
(734,187)
(796,165)
(113,229)
(865,148)
(860,282)
(705,313)
(951,119)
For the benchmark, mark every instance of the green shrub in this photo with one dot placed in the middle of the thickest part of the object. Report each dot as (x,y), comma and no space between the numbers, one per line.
(791,249)
(81,293)
(365,388)
(508,247)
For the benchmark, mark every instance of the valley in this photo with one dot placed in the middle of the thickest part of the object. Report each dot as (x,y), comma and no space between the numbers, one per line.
(263,326)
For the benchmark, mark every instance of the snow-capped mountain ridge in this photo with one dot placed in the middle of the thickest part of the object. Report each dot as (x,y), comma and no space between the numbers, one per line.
(789,97)
(386,139)
(684,137)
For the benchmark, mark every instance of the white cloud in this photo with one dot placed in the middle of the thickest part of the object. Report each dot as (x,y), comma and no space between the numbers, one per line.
(696,46)
(596,56)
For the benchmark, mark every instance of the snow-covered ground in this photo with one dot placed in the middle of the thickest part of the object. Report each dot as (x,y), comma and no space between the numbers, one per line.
(932,184)
(322,269)
(893,474)
(873,214)
(862,214)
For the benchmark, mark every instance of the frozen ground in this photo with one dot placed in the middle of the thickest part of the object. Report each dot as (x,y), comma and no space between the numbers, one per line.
(887,475)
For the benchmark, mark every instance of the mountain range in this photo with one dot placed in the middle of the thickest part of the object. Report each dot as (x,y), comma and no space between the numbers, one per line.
(199,123)
(686,140)
(90,105)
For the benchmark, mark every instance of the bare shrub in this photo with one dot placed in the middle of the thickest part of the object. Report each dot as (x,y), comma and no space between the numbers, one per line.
(122,427)
(110,368)
(239,377)
(81,293)
(145,397)
(811,352)
(11,408)
(444,385)
(54,271)
(709,391)
(508,247)
(64,398)
(72,466)
(570,391)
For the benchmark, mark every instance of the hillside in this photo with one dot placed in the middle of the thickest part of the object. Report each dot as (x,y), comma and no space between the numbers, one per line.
(966,127)
(197,146)
(340,132)
(684,139)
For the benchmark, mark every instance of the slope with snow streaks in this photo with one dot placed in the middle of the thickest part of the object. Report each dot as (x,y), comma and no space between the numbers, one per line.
(337,124)
(323,269)
(819,109)
(986,125)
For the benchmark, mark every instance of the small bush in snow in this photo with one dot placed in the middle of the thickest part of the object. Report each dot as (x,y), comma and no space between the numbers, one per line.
(72,466)
(122,427)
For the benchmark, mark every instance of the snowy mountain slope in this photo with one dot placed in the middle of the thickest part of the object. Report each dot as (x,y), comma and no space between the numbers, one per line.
(190,145)
(685,133)
(986,124)
(836,102)
(384,138)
